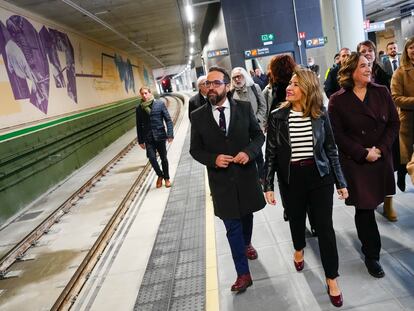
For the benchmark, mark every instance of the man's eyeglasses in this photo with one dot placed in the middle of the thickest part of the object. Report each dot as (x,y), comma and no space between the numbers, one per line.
(237,77)
(215,83)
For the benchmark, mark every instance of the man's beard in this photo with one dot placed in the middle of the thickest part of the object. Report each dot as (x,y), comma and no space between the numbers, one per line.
(214,98)
(393,54)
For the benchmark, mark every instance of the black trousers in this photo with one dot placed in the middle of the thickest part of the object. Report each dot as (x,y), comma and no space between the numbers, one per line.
(260,164)
(152,147)
(368,233)
(307,189)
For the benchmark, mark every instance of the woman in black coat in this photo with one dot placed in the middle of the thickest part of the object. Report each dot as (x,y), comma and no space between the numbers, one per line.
(379,76)
(301,150)
(365,124)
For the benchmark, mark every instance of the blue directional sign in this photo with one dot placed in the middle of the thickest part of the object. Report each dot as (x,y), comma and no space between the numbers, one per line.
(217,53)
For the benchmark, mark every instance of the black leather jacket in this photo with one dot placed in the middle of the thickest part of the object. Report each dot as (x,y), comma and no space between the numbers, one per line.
(278,150)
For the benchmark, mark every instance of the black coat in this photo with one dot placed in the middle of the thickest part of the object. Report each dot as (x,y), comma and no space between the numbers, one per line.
(235,190)
(195,102)
(357,126)
(278,149)
(150,127)
(331,83)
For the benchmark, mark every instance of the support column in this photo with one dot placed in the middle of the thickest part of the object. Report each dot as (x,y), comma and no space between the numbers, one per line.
(350,17)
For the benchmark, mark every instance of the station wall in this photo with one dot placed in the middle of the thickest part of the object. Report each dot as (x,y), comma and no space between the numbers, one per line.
(47,72)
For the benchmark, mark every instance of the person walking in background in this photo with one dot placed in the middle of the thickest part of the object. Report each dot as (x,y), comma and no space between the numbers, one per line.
(281,68)
(365,124)
(301,149)
(200,98)
(336,62)
(243,88)
(392,62)
(402,90)
(331,83)
(260,78)
(150,117)
(226,138)
(312,66)
(379,76)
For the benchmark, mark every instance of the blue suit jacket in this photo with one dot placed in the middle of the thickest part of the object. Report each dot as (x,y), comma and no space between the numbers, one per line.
(151,127)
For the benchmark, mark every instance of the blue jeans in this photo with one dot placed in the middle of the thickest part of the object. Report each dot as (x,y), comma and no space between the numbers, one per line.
(239,235)
(152,147)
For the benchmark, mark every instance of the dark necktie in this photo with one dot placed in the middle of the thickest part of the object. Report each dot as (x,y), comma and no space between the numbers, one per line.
(394,64)
(222,119)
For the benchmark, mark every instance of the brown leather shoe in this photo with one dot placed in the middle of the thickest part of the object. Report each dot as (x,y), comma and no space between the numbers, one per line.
(159,182)
(167,183)
(242,283)
(251,253)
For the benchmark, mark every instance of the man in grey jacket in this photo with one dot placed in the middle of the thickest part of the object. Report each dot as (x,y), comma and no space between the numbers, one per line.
(243,88)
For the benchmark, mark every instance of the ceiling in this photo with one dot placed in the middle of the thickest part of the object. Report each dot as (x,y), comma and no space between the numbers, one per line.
(381,10)
(157,30)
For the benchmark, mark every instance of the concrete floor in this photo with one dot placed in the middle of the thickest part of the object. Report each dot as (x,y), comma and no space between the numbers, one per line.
(277,285)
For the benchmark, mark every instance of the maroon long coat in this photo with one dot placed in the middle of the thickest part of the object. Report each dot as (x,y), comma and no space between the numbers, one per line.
(358,125)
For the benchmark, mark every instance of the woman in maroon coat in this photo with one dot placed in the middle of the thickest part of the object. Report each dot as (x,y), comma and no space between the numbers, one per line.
(365,124)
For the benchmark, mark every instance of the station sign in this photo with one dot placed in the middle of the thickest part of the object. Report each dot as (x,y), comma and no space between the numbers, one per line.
(267,37)
(379,26)
(217,53)
(315,42)
(302,35)
(256,52)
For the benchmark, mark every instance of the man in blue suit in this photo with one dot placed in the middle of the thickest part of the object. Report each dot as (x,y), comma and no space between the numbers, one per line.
(150,116)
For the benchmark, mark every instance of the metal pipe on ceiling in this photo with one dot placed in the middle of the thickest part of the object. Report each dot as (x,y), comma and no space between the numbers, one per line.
(98,20)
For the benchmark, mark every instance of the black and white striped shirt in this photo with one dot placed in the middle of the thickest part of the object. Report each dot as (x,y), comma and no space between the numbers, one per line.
(301,138)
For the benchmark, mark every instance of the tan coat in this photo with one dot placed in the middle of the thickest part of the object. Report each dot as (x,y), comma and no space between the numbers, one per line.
(402,90)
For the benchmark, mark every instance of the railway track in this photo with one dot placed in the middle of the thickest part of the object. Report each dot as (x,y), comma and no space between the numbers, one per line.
(74,285)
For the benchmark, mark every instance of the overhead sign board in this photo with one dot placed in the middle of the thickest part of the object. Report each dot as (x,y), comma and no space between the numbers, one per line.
(379,26)
(315,42)
(217,53)
(256,52)
(267,37)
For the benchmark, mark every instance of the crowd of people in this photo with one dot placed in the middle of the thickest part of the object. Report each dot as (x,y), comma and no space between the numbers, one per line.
(355,144)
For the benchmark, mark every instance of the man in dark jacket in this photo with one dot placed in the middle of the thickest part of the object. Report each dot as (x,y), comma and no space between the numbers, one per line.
(226,137)
(199,99)
(150,116)
(331,83)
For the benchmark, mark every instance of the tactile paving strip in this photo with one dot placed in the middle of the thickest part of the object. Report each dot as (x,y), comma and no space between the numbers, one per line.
(175,275)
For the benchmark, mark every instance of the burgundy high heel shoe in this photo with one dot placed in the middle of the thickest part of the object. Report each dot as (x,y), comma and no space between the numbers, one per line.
(337,301)
(301,264)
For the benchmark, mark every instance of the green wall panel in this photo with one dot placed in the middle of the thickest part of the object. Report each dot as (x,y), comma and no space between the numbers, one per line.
(32,163)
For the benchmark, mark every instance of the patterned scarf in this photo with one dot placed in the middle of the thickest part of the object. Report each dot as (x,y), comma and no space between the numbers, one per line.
(146,105)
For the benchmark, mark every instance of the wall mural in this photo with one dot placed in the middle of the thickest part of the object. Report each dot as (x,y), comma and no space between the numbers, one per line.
(27,53)
(31,57)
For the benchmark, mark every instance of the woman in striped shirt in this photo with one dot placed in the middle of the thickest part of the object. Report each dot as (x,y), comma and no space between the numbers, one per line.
(301,150)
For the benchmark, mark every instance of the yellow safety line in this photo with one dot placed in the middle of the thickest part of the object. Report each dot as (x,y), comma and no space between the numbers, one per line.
(212,297)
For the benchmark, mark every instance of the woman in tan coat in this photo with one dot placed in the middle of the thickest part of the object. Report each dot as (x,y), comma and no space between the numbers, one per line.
(402,90)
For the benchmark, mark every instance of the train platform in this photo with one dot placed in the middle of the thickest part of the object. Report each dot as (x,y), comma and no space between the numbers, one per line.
(171,253)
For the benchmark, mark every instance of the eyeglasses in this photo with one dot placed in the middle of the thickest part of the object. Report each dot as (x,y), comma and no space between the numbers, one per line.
(238,77)
(215,83)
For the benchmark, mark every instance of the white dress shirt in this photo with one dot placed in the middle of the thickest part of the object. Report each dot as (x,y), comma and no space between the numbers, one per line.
(216,113)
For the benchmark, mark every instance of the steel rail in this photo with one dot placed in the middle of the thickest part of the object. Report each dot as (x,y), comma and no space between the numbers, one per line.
(81,275)
(29,240)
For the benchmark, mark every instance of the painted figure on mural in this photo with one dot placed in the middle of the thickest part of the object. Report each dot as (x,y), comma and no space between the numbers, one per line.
(27,53)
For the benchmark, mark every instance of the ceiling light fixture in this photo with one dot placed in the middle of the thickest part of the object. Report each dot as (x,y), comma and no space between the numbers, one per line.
(190,13)
(191,50)
(192,38)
